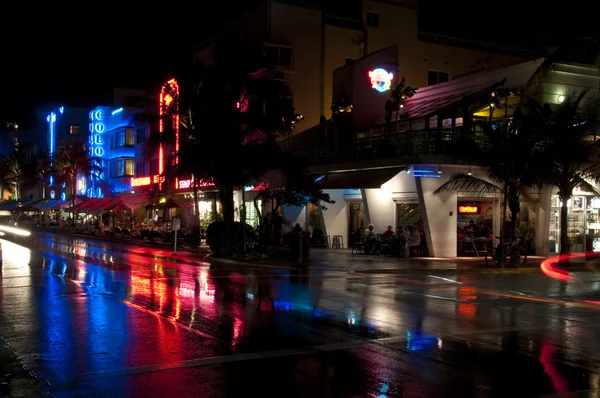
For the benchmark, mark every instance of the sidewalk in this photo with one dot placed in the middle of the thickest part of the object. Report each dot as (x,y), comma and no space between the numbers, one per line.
(343,260)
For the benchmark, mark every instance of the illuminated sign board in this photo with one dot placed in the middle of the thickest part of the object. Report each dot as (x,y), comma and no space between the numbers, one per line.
(471,209)
(144,181)
(187,184)
(381,80)
(96,147)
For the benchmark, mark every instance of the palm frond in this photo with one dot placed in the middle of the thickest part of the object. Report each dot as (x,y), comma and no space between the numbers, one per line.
(461,182)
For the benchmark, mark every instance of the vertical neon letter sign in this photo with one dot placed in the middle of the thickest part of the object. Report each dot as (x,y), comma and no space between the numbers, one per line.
(169,97)
(96,148)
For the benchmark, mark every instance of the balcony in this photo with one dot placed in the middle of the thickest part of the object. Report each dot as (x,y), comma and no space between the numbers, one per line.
(404,147)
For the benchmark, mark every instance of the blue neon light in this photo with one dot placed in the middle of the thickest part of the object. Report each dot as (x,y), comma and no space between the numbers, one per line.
(427,176)
(422,171)
(61,109)
(96,148)
(116,111)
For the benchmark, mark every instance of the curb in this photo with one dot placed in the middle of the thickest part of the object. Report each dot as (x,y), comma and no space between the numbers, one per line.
(397,271)
(392,271)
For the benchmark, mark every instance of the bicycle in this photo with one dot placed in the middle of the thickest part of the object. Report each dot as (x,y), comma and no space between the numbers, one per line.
(515,253)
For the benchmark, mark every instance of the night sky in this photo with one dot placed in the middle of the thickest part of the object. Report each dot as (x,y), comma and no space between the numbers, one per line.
(75,54)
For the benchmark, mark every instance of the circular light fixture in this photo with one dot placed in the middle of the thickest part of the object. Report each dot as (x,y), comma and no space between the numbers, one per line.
(561,99)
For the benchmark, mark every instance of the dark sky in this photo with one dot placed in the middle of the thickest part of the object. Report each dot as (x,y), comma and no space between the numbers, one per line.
(76,52)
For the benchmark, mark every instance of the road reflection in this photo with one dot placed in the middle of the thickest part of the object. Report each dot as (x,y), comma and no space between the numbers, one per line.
(97,310)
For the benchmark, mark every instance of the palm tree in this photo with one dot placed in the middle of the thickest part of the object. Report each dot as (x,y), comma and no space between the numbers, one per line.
(510,166)
(39,171)
(225,140)
(573,153)
(74,160)
(15,166)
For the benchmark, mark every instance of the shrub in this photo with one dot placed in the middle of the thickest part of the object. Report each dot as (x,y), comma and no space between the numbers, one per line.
(218,240)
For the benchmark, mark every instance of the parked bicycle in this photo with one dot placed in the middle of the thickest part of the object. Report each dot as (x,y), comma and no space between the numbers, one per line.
(514,253)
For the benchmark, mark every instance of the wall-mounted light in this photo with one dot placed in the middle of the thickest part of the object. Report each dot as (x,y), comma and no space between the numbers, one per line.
(469,173)
(440,169)
(561,99)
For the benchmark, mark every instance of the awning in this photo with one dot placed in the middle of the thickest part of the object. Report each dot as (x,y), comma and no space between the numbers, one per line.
(83,207)
(358,179)
(100,205)
(14,205)
(51,205)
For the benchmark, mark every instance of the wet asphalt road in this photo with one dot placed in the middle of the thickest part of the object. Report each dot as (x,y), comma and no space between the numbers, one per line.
(93,320)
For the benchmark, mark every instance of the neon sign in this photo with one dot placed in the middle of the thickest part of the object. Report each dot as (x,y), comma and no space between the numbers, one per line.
(169,96)
(381,80)
(144,181)
(187,184)
(468,209)
(96,148)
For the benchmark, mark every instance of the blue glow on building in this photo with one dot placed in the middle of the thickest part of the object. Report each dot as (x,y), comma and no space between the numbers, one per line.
(116,111)
(96,147)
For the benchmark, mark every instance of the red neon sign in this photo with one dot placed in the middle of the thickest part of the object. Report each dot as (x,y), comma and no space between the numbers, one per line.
(144,181)
(468,209)
(187,184)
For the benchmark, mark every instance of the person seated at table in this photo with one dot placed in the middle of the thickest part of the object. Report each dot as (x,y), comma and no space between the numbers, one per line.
(369,239)
(388,234)
(484,231)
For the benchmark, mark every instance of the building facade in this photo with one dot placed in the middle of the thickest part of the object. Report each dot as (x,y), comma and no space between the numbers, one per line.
(108,134)
(307,41)
(382,165)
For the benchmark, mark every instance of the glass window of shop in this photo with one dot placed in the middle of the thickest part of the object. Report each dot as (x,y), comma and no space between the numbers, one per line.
(583,224)
(526,221)
(474,220)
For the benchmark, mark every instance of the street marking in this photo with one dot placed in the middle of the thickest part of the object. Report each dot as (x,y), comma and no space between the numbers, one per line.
(199,362)
(444,279)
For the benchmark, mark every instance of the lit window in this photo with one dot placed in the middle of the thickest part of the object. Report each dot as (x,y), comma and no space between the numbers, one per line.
(74,129)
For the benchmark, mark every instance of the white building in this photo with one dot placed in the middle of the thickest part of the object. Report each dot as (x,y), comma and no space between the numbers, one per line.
(388,178)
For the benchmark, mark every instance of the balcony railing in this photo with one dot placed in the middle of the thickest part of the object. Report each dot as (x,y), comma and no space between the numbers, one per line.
(409,144)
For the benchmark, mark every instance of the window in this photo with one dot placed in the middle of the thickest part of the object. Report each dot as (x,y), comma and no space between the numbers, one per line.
(140,169)
(74,129)
(435,77)
(122,167)
(372,19)
(125,137)
(154,167)
(141,135)
(350,61)
(129,167)
(279,56)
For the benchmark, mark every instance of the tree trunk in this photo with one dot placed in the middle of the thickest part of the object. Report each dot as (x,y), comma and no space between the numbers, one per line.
(565,245)
(73,180)
(196,207)
(226,198)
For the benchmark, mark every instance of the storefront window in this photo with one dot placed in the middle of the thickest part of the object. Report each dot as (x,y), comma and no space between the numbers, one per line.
(526,220)
(582,219)
(474,221)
